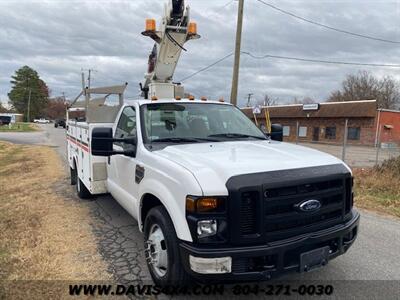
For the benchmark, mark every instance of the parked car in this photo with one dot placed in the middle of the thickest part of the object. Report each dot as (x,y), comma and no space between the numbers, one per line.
(59,122)
(41,121)
(5,120)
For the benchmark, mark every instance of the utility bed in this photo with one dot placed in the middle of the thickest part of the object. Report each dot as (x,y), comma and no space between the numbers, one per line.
(87,171)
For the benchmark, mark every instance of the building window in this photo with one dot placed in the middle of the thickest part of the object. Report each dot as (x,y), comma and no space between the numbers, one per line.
(286,130)
(330,133)
(354,133)
(302,131)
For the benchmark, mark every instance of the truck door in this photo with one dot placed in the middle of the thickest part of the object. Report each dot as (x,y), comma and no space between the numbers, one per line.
(125,190)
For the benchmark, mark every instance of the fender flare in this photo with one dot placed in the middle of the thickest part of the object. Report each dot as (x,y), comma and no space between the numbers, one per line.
(164,195)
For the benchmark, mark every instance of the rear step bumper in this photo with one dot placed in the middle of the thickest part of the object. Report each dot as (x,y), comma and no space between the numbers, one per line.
(258,263)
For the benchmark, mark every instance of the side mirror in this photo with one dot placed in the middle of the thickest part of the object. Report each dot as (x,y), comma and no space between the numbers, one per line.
(277,132)
(102,143)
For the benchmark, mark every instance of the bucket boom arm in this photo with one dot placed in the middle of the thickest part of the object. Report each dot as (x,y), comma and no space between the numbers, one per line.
(175,31)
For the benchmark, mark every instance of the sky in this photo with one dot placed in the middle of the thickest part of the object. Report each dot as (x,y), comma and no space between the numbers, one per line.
(60,38)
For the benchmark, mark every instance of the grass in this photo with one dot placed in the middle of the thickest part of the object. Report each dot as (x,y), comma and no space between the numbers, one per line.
(378,188)
(19,127)
(43,236)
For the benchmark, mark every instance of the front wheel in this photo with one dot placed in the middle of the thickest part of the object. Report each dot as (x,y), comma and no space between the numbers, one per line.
(161,249)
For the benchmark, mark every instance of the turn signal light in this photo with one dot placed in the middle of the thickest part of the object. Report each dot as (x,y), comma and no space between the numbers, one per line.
(192,28)
(203,98)
(191,98)
(207,204)
(150,25)
(221,100)
(154,98)
(204,204)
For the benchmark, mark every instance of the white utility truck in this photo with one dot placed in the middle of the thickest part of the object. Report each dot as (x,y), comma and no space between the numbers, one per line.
(215,197)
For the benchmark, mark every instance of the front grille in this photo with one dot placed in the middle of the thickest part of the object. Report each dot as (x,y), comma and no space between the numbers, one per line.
(265,207)
(248,217)
(283,220)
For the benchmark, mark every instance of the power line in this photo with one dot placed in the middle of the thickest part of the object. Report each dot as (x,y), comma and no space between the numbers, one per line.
(327,26)
(228,3)
(331,62)
(321,61)
(206,68)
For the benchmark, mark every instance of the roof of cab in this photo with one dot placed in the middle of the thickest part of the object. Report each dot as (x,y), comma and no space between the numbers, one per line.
(145,101)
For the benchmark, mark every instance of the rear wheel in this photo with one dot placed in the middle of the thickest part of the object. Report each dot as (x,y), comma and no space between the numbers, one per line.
(161,249)
(81,189)
(73,175)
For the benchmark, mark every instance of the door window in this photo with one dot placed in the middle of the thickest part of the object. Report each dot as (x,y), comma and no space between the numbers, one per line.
(126,127)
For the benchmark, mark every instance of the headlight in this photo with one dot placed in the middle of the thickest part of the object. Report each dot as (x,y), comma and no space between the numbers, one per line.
(207,218)
(206,228)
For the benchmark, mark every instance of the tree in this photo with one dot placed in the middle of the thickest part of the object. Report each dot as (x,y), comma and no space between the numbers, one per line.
(56,108)
(365,86)
(268,101)
(3,109)
(26,81)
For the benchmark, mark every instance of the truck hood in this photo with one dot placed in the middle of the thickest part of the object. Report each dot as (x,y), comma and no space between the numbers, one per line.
(213,164)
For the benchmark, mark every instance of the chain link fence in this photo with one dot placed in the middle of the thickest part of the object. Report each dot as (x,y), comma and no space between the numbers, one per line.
(356,155)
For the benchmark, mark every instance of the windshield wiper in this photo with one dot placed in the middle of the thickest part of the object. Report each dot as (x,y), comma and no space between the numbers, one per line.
(237,135)
(176,140)
(185,140)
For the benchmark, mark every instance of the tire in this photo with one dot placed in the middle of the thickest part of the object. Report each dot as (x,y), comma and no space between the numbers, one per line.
(55,125)
(73,176)
(81,189)
(171,271)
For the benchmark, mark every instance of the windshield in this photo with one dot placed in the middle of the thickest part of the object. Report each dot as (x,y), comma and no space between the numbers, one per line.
(195,122)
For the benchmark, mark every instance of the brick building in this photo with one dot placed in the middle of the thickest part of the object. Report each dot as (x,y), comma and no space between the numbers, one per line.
(325,122)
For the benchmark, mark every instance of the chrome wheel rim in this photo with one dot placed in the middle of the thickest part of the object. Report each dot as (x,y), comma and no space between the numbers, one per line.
(156,251)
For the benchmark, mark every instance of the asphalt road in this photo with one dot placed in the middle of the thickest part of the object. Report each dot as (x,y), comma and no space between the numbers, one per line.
(373,259)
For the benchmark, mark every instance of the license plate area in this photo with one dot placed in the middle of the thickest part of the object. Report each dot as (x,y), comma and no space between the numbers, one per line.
(314,259)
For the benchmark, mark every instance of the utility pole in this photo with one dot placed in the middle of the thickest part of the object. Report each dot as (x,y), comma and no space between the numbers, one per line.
(235,79)
(249,99)
(29,106)
(89,79)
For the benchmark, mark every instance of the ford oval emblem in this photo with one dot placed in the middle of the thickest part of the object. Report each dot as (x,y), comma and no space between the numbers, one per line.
(309,205)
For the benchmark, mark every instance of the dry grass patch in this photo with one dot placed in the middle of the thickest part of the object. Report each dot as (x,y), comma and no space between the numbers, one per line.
(378,189)
(43,236)
(19,127)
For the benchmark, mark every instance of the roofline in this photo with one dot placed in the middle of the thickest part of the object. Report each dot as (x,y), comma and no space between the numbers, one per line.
(322,103)
(355,101)
(389,110)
